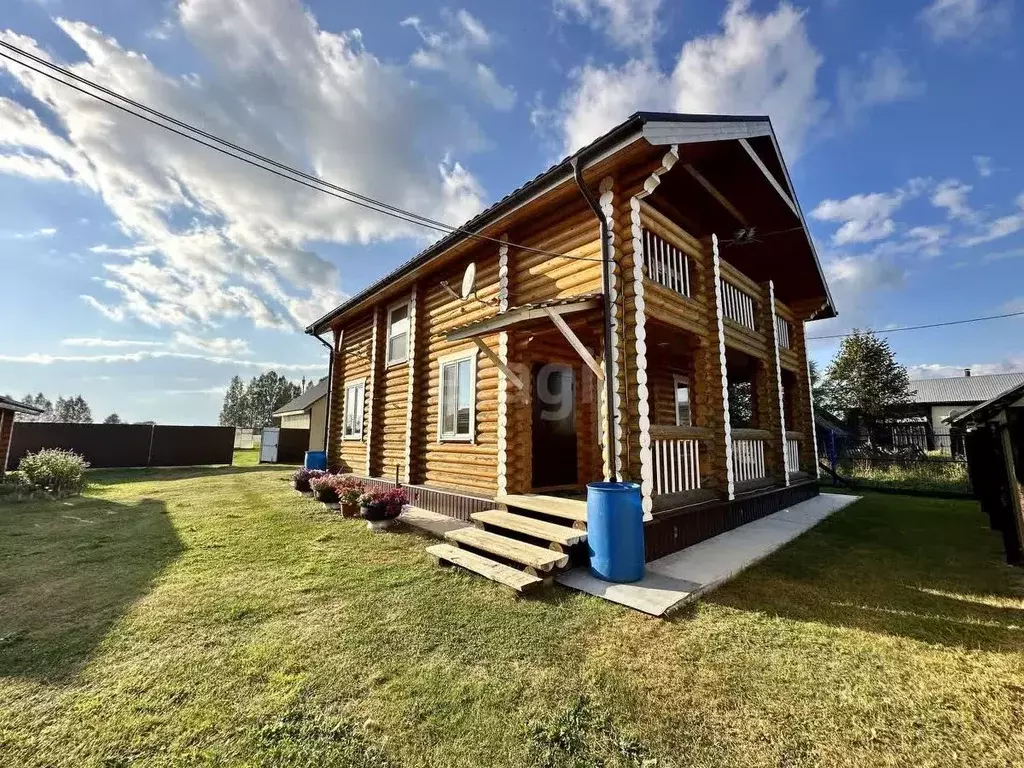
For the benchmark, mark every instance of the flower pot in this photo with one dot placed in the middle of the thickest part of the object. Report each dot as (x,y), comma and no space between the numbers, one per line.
(302,486)
(374,512)
(327,495)
(379,525)
(350,509)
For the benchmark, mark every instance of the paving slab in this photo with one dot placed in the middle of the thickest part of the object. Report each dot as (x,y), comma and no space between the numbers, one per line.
(677,579)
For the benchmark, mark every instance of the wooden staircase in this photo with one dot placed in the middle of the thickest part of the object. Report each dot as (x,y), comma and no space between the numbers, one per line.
(521,546)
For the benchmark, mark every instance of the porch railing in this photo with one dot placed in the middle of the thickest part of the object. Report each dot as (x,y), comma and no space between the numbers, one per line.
(748,456)
(793,454)
(676,465)
(782,332)
(666,264)
(737,305)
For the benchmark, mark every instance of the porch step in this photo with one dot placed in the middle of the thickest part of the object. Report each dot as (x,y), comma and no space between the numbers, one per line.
(537,558)
(529,526)
(552,506)
(518,580)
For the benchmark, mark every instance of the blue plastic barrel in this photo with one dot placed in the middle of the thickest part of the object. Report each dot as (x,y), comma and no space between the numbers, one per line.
(615,531)
(316,460)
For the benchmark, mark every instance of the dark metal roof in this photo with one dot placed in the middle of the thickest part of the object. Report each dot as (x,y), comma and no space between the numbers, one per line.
(631,125)
(7,404)
(990,408)
(968,390)
(306,399)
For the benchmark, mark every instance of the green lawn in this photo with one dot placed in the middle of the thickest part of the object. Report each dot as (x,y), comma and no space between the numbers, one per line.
(213,617)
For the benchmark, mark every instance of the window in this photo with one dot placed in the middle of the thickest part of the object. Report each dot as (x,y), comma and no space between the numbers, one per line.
(353,426)
(398,333)
(457,396)
(682,389)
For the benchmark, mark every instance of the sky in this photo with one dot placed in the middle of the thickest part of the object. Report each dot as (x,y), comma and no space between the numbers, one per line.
(143,271)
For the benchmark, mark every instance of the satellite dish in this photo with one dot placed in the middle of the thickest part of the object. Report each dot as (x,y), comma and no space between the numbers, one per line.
(469,281)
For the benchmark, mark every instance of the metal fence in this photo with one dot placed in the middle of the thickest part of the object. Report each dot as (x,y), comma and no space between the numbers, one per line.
(125,445)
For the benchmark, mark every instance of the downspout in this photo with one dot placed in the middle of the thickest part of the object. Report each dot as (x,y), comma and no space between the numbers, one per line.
(609,308)
(330,384)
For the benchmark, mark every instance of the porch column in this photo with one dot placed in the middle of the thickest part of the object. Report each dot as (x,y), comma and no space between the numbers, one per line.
(503,382)
(803,402)
(771,406)
(613,453)
(410,415)
(714,376)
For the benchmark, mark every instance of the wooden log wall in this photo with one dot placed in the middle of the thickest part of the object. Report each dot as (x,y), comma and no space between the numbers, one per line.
(350,363)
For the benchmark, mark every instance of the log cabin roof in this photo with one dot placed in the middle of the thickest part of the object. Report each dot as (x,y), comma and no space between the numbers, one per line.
(658,129)
(7,404)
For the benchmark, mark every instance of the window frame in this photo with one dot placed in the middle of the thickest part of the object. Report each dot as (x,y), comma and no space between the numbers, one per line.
(351,384)
(455,358)
(678,379)
(388,336)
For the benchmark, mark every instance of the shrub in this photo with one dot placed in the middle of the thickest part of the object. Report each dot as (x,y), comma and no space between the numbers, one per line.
(320,481)
(348,489)
(302,477)
(60,472)
(389,502)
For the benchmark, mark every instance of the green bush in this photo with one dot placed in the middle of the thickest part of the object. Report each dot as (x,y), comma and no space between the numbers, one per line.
(61,473)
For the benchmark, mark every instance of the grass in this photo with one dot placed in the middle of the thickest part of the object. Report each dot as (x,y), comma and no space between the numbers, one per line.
(929,474)
(214,617)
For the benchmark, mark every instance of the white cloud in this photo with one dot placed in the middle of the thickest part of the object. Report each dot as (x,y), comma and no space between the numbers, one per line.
(965,20)
(32,235)
(885,80)
(628,24)
(217,239)
(453,52)
(927,239)
(983,164)
(38,358)
(857,283)
(215,346)
(865,218)
(939,371)
(131,250)
(205,391)
(109,343)
(756,64)
(999,228)
(951,195)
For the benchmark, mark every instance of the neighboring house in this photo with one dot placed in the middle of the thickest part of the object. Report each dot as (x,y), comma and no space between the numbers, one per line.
(937,399)
(8,408)
(500,397)
(307,411)
(995,460)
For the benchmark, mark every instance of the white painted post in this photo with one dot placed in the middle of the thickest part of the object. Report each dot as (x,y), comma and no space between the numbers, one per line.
(720,325)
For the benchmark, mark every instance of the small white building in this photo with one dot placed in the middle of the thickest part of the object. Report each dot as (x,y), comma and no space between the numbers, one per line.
(307,411)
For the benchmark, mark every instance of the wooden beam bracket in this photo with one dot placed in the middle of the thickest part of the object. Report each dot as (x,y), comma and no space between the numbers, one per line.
(482,346)
(575,343)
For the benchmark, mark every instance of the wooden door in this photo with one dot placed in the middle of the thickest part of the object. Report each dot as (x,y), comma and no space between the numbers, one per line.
(554,425)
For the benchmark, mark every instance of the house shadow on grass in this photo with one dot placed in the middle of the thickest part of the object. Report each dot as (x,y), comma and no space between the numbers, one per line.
(69,571)
(157,474)
(925,569)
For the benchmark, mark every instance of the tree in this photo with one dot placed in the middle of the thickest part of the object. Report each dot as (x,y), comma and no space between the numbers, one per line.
(265,394)
(38,401)
(72,410)
(233,412)
(113,419)
(864,380)
(816,384)
(251,405)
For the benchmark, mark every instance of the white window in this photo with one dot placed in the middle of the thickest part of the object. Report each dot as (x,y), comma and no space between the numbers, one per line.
(398,333)
(352,429)
(682,401)
(456,420)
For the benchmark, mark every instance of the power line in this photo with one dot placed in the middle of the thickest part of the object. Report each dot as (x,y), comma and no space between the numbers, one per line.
(919,327)
(346,195)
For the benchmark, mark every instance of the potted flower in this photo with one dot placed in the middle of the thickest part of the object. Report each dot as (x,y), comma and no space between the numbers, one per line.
(323,489)
(301,478)
(349,490)
(380,508)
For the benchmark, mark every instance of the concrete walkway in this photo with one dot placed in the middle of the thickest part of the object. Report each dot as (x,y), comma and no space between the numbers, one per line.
(680,578)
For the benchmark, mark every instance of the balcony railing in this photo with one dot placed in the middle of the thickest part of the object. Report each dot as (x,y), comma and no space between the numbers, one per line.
(737,305)
(666,264)
(676,465)
(748,455)
(782,332)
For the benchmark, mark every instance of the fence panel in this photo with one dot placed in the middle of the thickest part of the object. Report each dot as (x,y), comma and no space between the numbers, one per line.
(125,445)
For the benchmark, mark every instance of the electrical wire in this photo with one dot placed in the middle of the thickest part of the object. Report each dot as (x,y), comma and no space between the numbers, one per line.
(919,327)
(346,195)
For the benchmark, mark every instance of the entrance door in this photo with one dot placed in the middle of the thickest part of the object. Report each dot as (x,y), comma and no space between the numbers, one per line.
(554,425)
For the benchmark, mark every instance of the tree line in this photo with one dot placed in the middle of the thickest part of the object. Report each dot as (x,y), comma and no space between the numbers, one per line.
(251,405)
(67,410)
